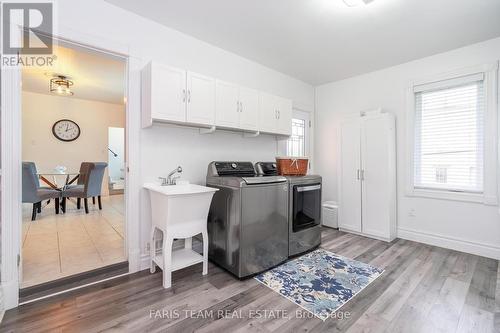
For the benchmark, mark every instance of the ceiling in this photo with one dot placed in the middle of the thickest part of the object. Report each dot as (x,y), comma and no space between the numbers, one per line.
(319,41)
(96,76)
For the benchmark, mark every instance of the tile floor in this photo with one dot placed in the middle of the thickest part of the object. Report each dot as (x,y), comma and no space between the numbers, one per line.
(55,246)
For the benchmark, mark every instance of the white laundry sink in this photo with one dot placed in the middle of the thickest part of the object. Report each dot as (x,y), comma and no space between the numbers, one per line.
(177,190)
(179,205)
(178,211)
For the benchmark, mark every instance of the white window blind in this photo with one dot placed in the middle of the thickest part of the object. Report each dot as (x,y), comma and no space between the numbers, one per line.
(449,135)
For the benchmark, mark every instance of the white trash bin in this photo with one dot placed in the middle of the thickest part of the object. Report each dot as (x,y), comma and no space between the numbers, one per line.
(330,214)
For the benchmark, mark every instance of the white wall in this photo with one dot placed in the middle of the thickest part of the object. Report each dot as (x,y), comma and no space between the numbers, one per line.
(464,226)
(116,143)
(164,147)
(41,111)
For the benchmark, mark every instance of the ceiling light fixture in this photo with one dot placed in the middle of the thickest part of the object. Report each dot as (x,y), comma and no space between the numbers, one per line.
(356,3)
(60,85)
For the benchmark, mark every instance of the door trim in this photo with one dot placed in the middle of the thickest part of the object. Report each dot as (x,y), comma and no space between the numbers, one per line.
(11,158)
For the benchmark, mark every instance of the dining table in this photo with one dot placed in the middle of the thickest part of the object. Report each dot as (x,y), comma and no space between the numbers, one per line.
(70,178)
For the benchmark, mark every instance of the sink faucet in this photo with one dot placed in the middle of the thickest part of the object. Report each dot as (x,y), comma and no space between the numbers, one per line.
(170,180)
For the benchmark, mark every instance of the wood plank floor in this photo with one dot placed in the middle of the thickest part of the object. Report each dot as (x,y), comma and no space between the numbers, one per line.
(423,289)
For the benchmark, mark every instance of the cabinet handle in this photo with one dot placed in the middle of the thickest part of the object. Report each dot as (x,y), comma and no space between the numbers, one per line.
(276,114)
(358,175)
(279,114)
(241,106)
(183,95)
(189,96)
(362,174)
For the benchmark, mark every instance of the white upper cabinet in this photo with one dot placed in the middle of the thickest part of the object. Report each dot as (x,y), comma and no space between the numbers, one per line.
(268,114)
(200,99)
(177,96)
(249,109)
(227,105)
(284,121)
(236,107)
(164,90)
(275,114)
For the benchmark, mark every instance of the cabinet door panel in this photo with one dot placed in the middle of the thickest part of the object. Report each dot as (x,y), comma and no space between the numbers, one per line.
(226,105)
(167,93)
(267,113)
(249,115)
(284,116)
(201,99)
(377,191)
(350,184)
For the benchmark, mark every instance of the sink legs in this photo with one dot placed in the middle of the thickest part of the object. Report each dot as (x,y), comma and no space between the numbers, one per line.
(167,261)
(204,234)
(152,250)
(183,257)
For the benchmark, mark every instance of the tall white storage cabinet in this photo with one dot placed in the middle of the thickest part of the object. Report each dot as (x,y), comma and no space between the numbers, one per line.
(368,175)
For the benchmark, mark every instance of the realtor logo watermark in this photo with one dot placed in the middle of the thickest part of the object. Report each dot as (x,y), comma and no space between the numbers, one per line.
(27,30)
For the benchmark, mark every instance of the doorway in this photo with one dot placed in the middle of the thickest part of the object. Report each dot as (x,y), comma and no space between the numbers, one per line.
(73,216)
(116,158)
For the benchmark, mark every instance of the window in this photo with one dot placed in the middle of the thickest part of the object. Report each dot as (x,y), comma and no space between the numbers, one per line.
(450,135)
(297,143)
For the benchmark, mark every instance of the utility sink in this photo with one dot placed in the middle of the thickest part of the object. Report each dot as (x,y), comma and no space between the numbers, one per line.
(178,211)
(179,190)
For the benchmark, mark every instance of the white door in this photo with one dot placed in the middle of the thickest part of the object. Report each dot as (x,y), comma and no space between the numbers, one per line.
(200,99)
(168,88)
(350,183)
(376,190)
(226,104)
(249,109)
(284,124)
(268,113)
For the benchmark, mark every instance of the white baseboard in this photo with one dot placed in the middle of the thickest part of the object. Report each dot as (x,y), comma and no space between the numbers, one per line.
(462,245)
(10,294)
(144,262)
(385,239)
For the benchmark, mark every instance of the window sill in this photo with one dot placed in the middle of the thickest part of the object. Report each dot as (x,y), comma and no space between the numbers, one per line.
(454,196)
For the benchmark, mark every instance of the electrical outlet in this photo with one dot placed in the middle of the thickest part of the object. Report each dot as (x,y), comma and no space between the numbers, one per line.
(148,247)
(412,213)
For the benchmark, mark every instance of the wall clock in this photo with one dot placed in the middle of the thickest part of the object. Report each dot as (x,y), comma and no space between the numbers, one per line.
(66,130)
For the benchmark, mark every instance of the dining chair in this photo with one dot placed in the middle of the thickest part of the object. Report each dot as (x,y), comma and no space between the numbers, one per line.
(82,176)
(33,193)
(91,187)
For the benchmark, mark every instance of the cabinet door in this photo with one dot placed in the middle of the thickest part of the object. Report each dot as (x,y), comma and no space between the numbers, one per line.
(350,183)
(226,106)
(284,116)
(268,113)
(378,190)
(168,88)
(200,99)
(249,109)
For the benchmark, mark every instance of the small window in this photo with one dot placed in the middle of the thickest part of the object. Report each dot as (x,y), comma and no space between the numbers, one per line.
(449,135)
(296,145)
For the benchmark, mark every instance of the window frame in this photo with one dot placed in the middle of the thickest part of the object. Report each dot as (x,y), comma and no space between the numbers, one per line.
(490,153)
(306,116)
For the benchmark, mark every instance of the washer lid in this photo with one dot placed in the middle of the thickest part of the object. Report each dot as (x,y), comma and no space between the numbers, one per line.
(264,180)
